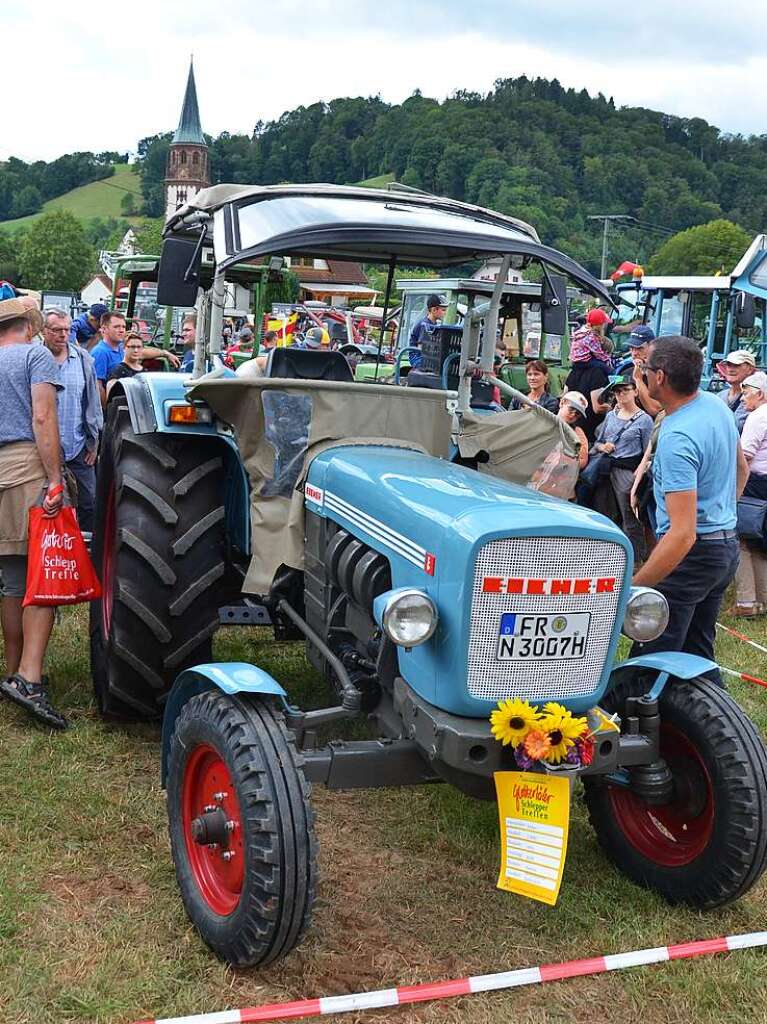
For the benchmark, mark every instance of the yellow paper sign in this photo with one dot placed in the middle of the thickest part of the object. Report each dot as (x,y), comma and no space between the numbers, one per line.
(534,813)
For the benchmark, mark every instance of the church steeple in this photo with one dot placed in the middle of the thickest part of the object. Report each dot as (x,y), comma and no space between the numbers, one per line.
(188,168)
(189,128)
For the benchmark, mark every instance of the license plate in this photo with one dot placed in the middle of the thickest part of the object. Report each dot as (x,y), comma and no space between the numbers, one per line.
(525,636)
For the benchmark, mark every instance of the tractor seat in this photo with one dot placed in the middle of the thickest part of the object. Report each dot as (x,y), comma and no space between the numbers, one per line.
(308,364)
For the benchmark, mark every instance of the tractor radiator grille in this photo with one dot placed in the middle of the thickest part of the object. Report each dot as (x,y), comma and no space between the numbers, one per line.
(541,558)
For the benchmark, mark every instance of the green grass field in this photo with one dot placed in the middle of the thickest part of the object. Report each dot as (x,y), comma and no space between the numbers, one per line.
(97,199)
(92,929)
(379,182)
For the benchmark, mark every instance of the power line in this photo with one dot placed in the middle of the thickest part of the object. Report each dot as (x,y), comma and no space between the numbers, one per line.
(642,225)
(606,218)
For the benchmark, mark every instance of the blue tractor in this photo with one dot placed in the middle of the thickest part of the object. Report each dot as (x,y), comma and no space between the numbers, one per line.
(385,526)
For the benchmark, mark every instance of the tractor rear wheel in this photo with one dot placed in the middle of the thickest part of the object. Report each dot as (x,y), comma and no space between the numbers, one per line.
(159,548)
(708,845)
(241,827)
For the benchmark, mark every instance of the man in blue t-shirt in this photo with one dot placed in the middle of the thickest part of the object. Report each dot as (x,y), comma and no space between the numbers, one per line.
(699,473)
(108,352)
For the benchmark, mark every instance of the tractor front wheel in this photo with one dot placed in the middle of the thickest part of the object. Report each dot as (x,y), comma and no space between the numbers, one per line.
(241,828)
(708,845)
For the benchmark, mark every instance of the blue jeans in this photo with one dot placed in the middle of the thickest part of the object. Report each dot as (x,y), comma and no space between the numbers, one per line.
(694,591)
(86,490)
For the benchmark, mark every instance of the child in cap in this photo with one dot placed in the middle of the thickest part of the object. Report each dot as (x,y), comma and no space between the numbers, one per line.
(573,407)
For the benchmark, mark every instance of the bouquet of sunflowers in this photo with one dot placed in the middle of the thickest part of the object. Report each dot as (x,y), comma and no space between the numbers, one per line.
(551,734)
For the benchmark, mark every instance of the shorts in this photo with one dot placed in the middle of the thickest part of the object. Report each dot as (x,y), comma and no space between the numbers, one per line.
(13,575)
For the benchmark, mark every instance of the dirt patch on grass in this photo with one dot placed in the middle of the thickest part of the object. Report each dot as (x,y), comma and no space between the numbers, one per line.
(80,899)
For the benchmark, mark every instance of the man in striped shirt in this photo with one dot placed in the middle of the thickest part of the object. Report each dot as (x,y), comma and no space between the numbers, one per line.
(80,415)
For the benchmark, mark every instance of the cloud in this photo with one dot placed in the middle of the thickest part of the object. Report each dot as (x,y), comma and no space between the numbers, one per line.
(103,76)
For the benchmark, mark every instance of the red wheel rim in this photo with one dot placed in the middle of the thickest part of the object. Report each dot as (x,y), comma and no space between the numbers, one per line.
(673,834)
(108,562)
(208,783)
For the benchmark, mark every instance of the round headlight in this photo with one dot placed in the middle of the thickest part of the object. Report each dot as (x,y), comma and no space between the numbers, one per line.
(646,614)
(409,618)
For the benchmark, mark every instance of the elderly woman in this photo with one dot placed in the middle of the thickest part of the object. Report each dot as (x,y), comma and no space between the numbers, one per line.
(537,373)
(751,578)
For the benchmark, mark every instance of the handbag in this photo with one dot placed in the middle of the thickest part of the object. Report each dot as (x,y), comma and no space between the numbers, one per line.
(598,467)
(752,513)
(59,568)
(645,493)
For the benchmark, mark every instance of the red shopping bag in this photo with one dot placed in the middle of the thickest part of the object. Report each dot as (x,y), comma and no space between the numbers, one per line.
(59,568)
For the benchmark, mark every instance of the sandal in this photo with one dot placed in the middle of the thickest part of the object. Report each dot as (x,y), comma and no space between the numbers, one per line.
(33,697)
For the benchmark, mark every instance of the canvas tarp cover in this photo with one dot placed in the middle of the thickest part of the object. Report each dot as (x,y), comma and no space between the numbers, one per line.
(527,446)
(281,425)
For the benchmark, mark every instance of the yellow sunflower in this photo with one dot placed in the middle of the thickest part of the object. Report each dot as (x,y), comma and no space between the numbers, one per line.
(512,720)
(562,729)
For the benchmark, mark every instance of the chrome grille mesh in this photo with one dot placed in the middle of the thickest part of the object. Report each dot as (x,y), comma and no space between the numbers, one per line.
(544,557)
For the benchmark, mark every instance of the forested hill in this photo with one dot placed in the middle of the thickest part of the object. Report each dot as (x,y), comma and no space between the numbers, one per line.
(25,187)
(532,148)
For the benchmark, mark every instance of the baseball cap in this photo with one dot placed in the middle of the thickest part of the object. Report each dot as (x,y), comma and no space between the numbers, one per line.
(739,357)
(313,337)
(597,317)
(756,380)
(436,300)
(616,381)
(97,310)
(578,401)
(246,334)
(641,335)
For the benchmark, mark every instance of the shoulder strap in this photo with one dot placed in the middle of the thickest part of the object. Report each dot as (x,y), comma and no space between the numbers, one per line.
(625,425)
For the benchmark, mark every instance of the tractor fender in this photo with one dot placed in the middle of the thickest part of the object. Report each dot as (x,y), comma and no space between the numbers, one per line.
(666,664)
(148,394)
(139,399)
(229,677)
(676,663)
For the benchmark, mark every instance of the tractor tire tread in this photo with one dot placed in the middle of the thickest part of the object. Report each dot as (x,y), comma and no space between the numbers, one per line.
(169,561)
(187,482)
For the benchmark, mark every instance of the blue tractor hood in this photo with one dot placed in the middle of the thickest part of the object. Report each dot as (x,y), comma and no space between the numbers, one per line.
(431,518)
(435,504)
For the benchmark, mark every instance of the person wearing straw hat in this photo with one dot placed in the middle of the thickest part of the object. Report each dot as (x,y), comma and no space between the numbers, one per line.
(30,465)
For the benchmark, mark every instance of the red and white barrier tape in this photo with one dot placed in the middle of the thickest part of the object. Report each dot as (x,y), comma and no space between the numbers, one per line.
(743,637)
(470,986)
(743,675)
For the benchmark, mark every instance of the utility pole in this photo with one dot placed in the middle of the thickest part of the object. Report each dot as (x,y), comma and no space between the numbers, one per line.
(606,218)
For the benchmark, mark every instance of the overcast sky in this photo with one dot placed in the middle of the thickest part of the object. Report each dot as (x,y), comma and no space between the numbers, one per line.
(95,76)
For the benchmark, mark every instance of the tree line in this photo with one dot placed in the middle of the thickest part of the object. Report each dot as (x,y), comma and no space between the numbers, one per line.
(529,147)
(24,187)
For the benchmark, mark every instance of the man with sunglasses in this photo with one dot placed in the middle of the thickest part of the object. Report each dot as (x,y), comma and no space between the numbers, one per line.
(79,404)
(699,472)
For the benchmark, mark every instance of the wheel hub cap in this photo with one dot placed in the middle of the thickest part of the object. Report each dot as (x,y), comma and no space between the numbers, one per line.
(676,833)
(210,828)
(213,829)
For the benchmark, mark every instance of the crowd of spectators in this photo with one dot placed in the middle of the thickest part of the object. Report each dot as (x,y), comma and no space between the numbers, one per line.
(671,462)
(55,374)
(664,460)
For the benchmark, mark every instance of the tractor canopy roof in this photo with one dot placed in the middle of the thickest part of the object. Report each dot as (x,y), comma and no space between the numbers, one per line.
(354,223)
